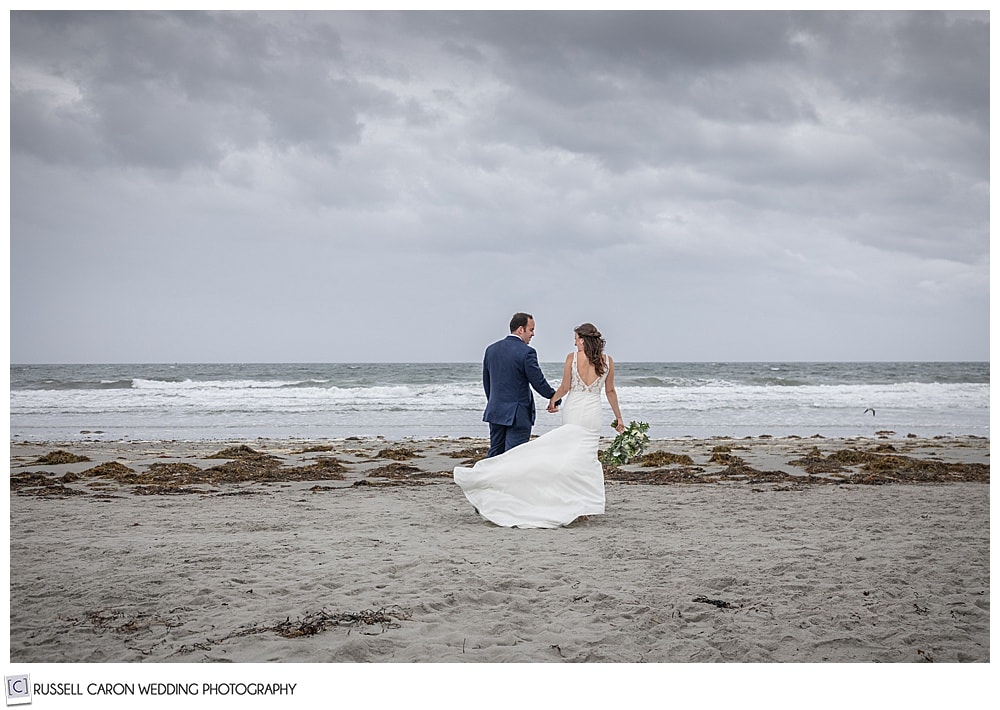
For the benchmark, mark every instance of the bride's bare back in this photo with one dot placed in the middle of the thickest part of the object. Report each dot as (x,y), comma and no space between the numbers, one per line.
(585,368)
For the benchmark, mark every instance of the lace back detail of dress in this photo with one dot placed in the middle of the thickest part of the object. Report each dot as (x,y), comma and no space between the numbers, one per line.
(577,384)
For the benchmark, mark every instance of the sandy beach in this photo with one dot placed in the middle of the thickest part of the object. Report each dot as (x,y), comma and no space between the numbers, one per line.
(722,550)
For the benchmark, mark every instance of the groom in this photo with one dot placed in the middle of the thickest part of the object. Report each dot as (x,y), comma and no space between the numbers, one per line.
(509,366)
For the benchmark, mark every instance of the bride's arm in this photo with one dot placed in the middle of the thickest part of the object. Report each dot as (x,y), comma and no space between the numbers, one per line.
(612,395)
(564,385)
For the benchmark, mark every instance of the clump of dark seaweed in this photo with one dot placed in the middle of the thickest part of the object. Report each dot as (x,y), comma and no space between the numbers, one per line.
(264,468)
(241,452)
(121,622)
(471,454)
(884,466)
(753,475)
(393,470)
(55,458)
(316,622)
(31,480)
(405,473)
(815,463)
(663,458)
(171,489)
(398,453)
(323,468)
(721,603)
(42,483)
(720,454)
(659,477)
(316,449)
(739,470)
(165,471)
(245,464)
(110,469)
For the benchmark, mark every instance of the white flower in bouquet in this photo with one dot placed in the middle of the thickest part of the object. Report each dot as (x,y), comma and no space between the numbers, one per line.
(627,445)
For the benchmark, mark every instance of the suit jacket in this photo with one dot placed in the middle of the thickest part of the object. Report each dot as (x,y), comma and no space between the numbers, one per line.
(510,366)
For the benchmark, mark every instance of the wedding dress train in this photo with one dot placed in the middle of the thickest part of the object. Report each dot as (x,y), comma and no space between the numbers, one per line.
(551,480)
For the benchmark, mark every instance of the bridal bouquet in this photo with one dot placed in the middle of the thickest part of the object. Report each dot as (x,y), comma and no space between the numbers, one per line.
(627,445)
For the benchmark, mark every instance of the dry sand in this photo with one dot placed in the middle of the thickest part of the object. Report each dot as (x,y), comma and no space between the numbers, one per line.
(373,554)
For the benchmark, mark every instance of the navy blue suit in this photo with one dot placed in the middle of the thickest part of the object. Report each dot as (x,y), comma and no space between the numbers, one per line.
(510,369)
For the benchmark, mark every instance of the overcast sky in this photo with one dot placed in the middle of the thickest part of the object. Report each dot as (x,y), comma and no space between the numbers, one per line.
(344,186)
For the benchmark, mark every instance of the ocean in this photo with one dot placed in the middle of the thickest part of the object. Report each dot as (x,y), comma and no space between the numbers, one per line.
(198,402)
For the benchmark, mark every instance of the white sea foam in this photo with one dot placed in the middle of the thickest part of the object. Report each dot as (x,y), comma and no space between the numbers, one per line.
(286,407)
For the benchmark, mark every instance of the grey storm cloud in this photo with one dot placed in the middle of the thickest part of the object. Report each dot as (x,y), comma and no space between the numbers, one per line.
(182,89)
(831,166)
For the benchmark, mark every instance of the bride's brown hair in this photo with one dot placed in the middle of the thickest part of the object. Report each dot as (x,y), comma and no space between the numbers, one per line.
(593,345)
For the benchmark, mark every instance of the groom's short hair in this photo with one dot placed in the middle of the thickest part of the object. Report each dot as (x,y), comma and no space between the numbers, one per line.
(520,320)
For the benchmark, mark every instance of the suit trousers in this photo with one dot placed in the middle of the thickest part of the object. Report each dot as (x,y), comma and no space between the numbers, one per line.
(503,438)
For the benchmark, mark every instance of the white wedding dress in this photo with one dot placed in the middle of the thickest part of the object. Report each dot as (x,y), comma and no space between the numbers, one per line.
(551,480)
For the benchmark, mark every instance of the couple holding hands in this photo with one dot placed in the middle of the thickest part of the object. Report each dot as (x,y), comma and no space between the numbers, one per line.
(554,479)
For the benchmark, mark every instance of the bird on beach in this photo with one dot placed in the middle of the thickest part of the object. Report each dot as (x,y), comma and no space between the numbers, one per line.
(870,410)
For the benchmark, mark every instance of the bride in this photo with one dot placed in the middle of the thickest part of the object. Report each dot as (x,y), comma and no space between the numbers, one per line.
(554,479)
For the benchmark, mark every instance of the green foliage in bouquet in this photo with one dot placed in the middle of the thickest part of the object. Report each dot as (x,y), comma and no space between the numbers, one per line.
(627,445)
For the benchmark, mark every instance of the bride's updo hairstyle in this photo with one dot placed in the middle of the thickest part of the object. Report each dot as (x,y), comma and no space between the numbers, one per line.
(593,345)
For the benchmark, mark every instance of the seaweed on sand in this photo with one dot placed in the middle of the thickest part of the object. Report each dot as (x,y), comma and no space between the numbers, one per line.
(371,622)
(55,458)
(659,477)
(398,453)
(740,471)
(319,621)
(663,458)
(245,465)
(42,483)
(470,455)
(884,465)
(401,473)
